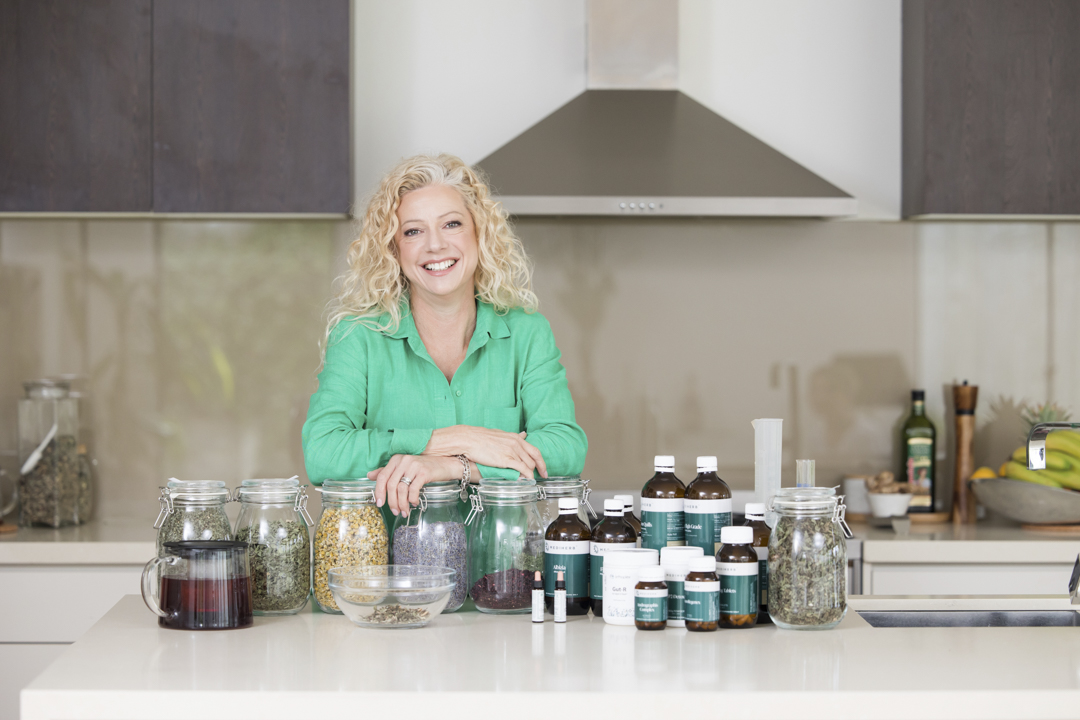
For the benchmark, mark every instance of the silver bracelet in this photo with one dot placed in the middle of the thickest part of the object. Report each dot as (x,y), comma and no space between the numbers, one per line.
(466,471)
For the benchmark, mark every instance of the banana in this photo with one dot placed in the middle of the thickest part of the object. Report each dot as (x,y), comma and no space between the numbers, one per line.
(1064,441)
(1016,471)
(1055,459)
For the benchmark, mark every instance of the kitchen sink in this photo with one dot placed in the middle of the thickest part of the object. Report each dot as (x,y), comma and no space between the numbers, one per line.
(966,618)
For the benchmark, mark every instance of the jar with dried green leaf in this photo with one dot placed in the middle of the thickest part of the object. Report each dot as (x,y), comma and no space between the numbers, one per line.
(192,510)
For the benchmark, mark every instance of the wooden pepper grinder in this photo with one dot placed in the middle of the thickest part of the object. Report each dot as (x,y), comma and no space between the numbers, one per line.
(964,398)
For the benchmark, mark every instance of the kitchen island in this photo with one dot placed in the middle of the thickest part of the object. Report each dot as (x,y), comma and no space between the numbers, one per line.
(468,665)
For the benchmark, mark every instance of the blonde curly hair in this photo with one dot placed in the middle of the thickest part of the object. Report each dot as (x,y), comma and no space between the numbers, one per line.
(374,285)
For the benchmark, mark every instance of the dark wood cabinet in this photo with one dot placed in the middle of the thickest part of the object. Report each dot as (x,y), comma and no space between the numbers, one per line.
(991,107)
(178,106)
(75,105)
(251,106)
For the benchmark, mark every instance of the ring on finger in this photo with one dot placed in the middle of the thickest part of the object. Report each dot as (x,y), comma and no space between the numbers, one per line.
(406,481)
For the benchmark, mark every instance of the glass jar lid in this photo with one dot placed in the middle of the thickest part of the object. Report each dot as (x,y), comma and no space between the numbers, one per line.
(46,388)
(197,490)
(804,499)
(441,492)
(358,490)
(561,486)
(522,490)
(268,490)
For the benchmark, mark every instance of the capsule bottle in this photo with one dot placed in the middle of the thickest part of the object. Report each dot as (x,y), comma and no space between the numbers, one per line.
(650,599)
(737,567)
(702,593)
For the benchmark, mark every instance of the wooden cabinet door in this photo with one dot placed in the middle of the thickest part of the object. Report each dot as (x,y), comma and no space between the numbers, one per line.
(991,106)
(75,105)
(251,106)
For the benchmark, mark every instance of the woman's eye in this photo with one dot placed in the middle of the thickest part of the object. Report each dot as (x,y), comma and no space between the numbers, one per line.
(453,224)
(411,232)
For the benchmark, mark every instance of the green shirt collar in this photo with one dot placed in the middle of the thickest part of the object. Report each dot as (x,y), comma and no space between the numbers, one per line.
(489,324)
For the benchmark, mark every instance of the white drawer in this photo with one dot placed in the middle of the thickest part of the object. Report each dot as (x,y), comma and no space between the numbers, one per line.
(58,603)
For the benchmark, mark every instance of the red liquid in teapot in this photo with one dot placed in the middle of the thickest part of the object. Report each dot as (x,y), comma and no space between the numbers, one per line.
(206,604)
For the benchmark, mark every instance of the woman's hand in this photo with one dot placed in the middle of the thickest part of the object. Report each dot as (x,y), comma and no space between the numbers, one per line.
(420,469)
(494,448)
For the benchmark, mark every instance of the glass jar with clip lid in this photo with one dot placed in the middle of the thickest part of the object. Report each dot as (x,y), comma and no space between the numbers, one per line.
(433,533)
(351,532)
(506,545)
(192,510)
(275,524)
(552,488)
(55,488)
(808,559)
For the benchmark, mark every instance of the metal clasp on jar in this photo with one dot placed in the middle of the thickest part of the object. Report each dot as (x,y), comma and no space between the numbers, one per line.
(166,507)
(301,505)
(838,517)
(477,507)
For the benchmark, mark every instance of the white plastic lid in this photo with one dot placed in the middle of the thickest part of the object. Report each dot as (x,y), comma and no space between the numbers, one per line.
(737,535)
(614,505)
(631,557)
(706,463)
(651,573)
(698,564)
(569,504)
(664,462)
(679,555)
(757,510)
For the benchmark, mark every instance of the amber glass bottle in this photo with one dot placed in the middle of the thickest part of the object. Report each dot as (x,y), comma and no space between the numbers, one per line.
(755,518)
(737,567)
(611,534)
(702,595)
(662,500)
(707,507)
(566,550)
(630,517)
(650,599)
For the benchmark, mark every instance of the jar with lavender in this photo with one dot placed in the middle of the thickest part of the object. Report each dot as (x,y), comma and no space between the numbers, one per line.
(434,534)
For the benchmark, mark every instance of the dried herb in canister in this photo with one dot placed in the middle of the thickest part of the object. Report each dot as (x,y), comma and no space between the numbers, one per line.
(504,590)
(807,572)
(441,544)
(279,553)
(51,494)
(194,522)
(347,536)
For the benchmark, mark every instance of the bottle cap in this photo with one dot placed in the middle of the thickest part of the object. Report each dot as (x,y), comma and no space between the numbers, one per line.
(699,564)
(664,462)
(628,500)
(651,573)
(614,506)
(706,463)
(679,554)
(737,535)
(568,504)
(631,557)
(918,395)
(560,583)
(754,510)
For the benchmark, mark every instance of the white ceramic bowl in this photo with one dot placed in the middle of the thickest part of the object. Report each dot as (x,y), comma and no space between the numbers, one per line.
(885,505)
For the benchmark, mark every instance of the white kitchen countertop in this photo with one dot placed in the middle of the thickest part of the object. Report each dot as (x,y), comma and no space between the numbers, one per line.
(99,542)
(316,665)
(985,542)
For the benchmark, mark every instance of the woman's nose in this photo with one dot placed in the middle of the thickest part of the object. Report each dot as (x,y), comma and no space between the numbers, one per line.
(434,240)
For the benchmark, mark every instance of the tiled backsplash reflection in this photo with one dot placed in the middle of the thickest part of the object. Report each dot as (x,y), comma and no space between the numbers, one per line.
(199,340)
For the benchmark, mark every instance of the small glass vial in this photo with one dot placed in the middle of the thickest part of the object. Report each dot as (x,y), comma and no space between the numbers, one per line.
(702,590)
(650,599)
(707,507)
(611,534)
(662,500)
(737,566)
(755,518)
(676,564)
(566,553)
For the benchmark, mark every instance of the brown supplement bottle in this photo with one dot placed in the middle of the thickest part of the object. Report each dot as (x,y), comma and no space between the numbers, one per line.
(629,516)
(650,599)
(702,595)
(755,518)
(737,567)
(611,534)
(707,507)
(662,500)
(566,550)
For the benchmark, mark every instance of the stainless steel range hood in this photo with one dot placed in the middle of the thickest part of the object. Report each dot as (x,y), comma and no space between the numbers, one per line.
(632,144)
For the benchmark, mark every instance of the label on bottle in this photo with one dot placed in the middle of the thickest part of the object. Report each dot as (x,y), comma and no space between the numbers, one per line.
(763,575)
(703,520)
(920,470)
(597,551)
(650,605)
(571,557)
(702,603)
(738,588)
(662,523)
(676,596)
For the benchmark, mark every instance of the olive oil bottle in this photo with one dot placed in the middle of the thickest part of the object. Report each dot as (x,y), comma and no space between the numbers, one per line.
(662,499)
(611,534)
(707,507)
(566,551)
(918,448)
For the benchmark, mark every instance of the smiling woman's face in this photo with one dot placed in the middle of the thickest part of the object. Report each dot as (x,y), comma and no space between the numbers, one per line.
(436,242)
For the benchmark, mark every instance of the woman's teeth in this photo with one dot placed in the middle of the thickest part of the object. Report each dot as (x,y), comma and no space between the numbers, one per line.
(440,266)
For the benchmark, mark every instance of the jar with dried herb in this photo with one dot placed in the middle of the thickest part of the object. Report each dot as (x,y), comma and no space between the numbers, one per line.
(506,545)
(433,533)
(550,489)
(808,559)
(274,522)
(192,510)
(351,532)
(54,489)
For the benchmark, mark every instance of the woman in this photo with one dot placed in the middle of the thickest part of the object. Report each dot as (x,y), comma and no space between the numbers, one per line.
(437,365)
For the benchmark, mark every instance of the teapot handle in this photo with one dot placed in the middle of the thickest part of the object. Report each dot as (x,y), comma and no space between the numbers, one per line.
(151,583)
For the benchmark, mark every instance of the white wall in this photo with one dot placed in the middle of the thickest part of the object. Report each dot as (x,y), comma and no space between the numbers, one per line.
(818,81)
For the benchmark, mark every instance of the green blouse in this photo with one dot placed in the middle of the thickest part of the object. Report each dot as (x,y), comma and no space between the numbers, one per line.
(382,395)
